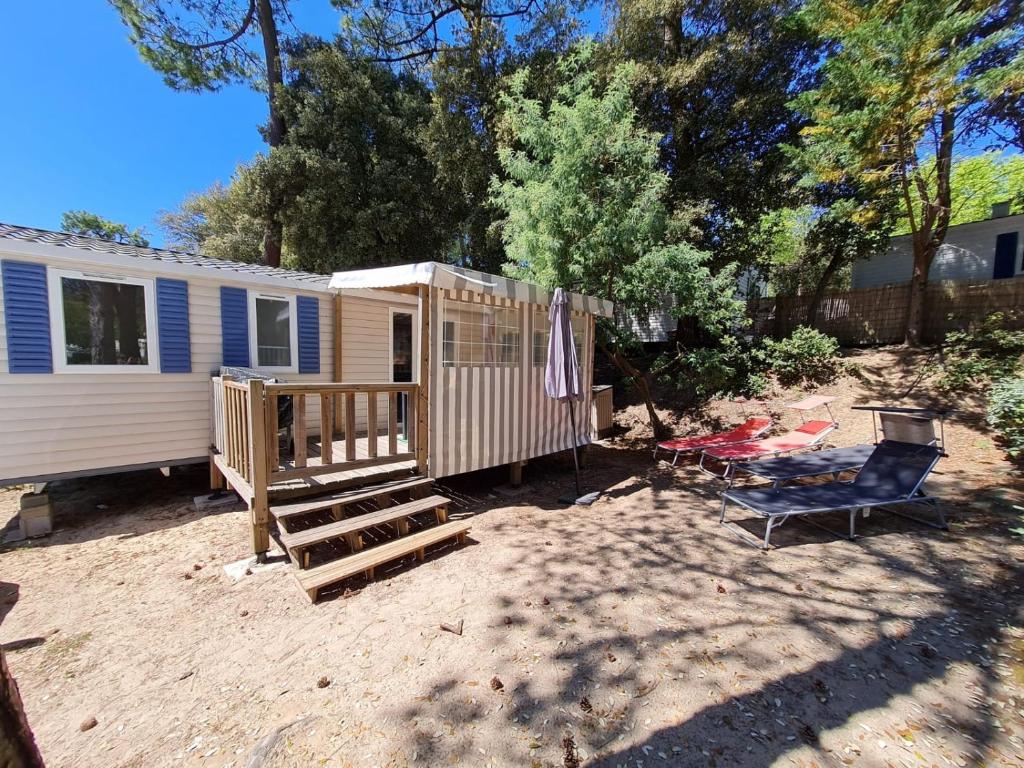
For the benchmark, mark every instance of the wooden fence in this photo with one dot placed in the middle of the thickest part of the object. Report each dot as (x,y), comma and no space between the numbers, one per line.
(878,315)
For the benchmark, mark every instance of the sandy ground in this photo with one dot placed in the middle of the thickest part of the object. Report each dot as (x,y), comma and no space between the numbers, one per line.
(638,626)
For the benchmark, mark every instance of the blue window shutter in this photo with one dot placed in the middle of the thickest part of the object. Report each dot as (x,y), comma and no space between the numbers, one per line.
(308,311)
(26,317)
(172,326)
(234,326)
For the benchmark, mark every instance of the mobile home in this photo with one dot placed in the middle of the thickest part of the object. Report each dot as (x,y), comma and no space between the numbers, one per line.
(110,359)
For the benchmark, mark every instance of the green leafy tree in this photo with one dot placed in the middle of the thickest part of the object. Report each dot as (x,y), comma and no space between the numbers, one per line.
(903,84)
(976,183)
(353,178)
(584,207)
(716,78)
(358,186)
(201,45)
(220,222)
(91,225)
(466,51)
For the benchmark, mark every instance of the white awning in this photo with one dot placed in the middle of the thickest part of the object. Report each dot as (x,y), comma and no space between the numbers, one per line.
(459,278)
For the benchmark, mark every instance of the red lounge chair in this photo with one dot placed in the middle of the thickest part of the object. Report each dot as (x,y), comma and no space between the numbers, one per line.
(748,430)
(807,435)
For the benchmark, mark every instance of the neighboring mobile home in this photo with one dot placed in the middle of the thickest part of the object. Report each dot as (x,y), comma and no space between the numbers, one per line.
(990,249)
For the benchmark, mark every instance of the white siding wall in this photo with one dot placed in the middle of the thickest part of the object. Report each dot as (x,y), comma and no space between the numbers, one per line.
(58,423)
(967,254)
(366,345)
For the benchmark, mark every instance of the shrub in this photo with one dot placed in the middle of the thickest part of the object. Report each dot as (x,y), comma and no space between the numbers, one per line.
(730,367)
(981,354)
(1006,414)
(806,356)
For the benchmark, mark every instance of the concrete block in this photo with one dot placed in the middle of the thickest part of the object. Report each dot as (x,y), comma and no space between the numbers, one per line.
(36,515)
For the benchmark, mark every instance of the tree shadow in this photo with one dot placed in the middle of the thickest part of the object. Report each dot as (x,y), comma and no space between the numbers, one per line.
(125,505)
(718,619)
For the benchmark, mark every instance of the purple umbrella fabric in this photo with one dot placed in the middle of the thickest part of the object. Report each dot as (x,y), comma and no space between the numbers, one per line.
(562,375)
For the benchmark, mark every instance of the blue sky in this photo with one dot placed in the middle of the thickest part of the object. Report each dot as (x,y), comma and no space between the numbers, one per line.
(88,125)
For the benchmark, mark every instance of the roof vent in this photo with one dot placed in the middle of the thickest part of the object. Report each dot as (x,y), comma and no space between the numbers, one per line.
(999,210)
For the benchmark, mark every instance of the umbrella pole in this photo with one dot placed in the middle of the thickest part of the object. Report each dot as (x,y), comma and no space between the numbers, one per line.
(575,459)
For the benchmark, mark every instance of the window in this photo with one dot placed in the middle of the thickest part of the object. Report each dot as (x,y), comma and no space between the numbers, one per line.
(473,334)
(102,323)
(542,331)
(274,336)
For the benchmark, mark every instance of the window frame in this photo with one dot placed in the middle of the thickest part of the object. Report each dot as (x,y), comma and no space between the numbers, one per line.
(545,330)
(456,339)
(58,336)
(293,332)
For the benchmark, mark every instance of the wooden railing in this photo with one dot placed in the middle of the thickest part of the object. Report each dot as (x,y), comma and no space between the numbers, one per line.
(251,453)
(358,447)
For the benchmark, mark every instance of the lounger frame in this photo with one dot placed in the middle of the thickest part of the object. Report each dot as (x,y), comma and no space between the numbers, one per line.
(677,453)
(776,519)
(730,465)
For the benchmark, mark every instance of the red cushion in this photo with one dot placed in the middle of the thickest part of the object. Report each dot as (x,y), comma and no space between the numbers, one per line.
(747,430)
(814,427)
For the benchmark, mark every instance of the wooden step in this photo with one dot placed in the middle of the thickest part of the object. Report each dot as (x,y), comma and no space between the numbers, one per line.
(282,512)
(296,542)
(314,579)
(341,480)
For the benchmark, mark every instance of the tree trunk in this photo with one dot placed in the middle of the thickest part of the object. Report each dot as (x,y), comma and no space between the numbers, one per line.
(819,290)
(923,255)
(273,232)
(928,240)
(17,745)
(641,385)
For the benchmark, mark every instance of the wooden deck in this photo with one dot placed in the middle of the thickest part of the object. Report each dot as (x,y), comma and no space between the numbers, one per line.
(366,469)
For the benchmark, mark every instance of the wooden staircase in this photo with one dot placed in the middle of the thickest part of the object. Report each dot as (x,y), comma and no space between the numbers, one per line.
(339,534)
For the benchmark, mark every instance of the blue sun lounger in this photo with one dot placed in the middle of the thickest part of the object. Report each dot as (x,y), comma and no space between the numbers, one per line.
(833,461)
(892,475)
(897,423)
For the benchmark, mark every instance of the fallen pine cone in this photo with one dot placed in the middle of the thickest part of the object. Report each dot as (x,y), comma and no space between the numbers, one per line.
(545,601)
(721,589)
(611,656)
(197,566)
(496,683)
(585,705)
(323,682)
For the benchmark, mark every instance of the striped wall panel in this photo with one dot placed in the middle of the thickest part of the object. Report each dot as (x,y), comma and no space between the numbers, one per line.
(488,416)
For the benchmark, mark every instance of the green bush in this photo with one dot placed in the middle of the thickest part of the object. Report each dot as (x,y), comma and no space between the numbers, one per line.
(1006,414)
(981,354)
(729,368)
(806,356)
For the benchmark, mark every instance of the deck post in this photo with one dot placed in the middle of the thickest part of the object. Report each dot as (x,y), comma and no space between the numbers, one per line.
(260,509)
(338,360)
(423,376)
(217,481)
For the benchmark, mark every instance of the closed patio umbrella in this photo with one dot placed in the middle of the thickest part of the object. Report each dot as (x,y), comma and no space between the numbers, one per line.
(562,374)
